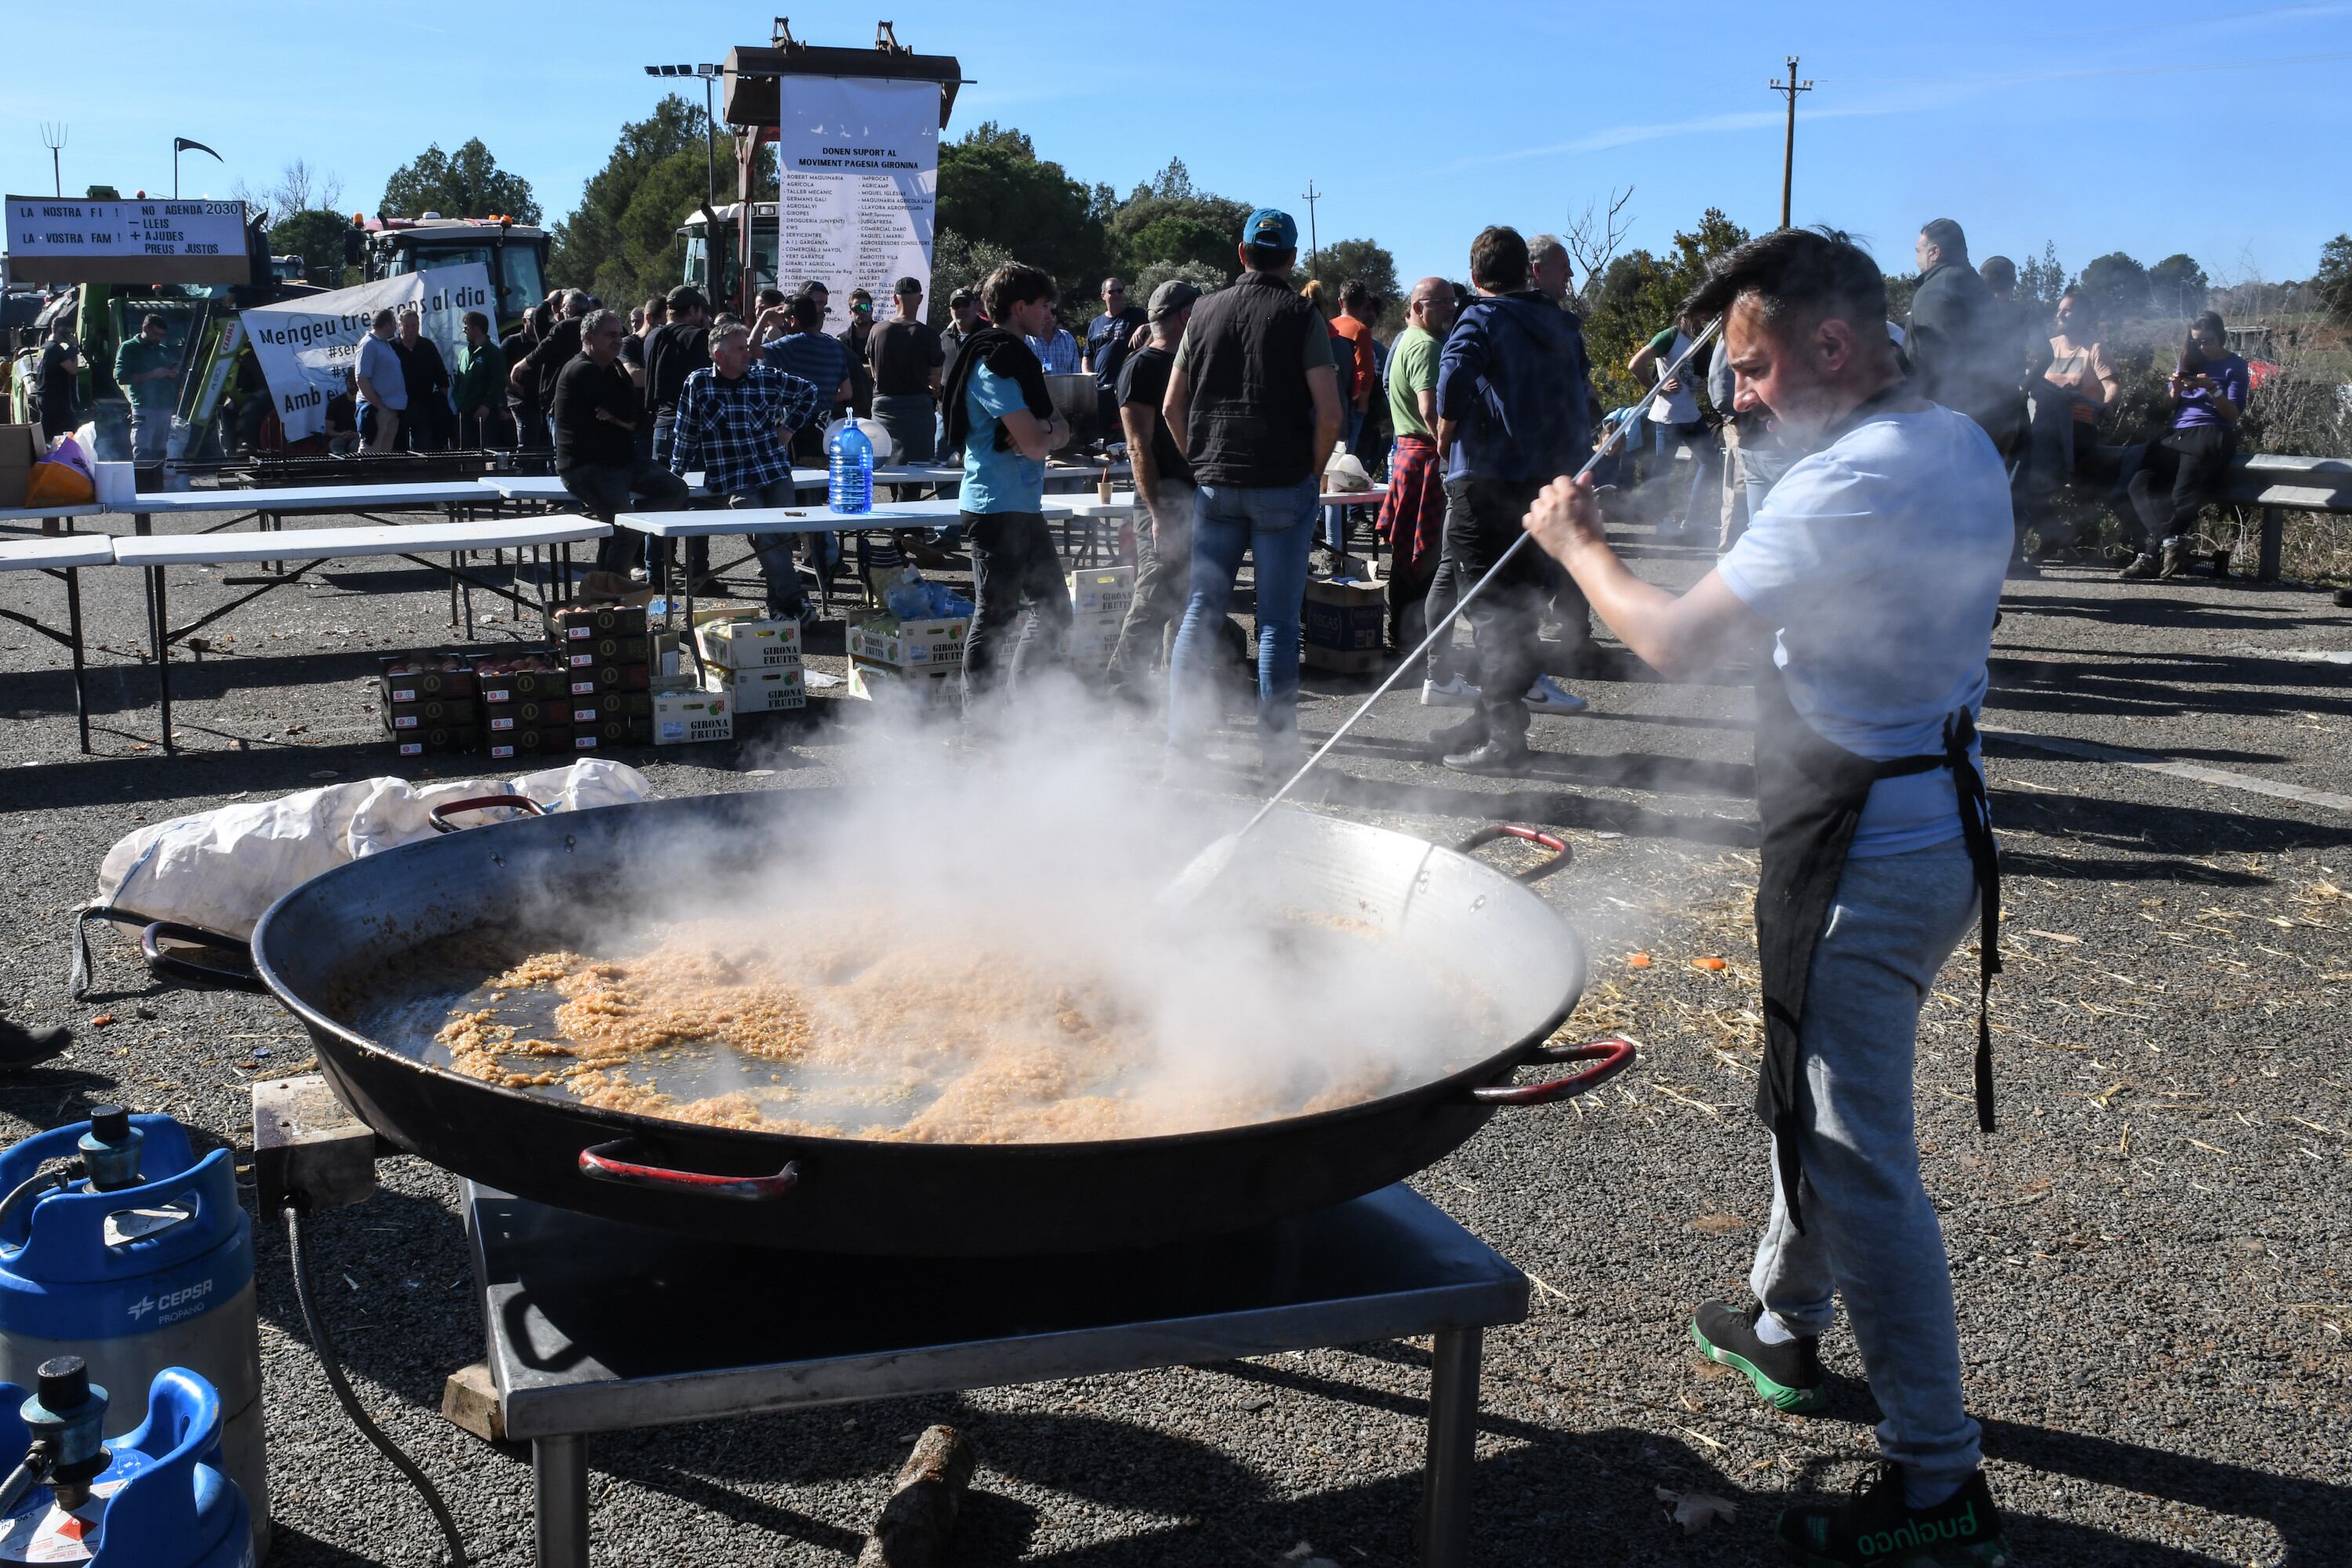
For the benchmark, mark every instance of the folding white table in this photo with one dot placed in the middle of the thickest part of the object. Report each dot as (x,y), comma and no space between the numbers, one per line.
(549,489)
(937,512)
(267,505)
(61,557)
(311,546)
(47,515)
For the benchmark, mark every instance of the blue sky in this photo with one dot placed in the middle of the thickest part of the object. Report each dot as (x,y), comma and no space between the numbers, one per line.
(2149,126)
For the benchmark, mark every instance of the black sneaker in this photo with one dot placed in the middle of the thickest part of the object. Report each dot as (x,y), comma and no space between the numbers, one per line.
(1469,735)
(1497,757)
(1788,1376)
(2177,558)
(2141,567)
(1875,1528)
(23,1047)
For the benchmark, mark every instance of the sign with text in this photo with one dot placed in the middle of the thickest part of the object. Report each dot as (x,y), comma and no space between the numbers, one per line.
(54,240)
(306,346)
(857,159)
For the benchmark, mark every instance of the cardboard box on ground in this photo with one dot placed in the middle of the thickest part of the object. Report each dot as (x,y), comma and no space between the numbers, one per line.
(740,636)
(1342,630)
(20,448)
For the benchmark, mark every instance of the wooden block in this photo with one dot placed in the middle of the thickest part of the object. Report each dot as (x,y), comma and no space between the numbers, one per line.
(307,1145)
(913,1529)
(470,1400)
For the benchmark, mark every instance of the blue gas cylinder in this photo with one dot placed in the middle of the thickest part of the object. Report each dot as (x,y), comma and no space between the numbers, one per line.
(850,469)
(162,1501)
(145,1262)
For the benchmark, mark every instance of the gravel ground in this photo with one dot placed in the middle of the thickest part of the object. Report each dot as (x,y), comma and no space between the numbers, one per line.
(2154,1254)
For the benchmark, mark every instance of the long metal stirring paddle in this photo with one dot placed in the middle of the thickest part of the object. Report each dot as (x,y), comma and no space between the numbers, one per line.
(1206,867)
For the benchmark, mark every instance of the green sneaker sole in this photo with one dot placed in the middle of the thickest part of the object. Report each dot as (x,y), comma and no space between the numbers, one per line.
(1992,1553)
(1779,1395)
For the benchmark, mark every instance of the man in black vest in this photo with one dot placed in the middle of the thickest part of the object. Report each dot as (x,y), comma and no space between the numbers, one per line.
(1873,567)
(1255,400)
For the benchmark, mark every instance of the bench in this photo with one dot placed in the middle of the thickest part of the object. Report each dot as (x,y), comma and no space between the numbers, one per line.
(311,546)
(2278,485)
(61,557)
(266,506)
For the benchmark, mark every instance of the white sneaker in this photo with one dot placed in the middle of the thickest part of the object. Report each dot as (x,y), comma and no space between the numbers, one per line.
(1546,696)
(1456,693)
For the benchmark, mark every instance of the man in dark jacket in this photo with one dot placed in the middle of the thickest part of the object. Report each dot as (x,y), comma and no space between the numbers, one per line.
(1254,399)
(1961,344)
(593,414)
(1511,408)
(427,429)
(534,375)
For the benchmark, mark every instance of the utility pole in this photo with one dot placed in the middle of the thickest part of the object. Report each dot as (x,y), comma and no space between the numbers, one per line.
(1789,88)
(1310,198)
(53,137)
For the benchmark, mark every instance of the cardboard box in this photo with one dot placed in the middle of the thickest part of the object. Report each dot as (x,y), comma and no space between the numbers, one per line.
(587,623)
(685,718)
(416,676)
(603,707)
(776,691)
(508,678)
(1091,640)
(748,640)
(434,713)
(20,448)
(440,738)
(1336,662)
(1102,590)
(911,689)
(602,650)
(915,646)
(588,736)
(532,742)
(1345,629)
(598,678)
(531,714)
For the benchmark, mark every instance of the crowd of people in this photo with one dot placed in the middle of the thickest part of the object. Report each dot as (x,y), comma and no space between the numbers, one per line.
(1234,407)
(2038,386)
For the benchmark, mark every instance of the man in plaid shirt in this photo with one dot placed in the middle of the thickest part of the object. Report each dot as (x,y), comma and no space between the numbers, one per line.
(735,421)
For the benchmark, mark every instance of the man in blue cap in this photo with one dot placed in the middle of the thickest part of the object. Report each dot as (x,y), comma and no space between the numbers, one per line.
(1255,402)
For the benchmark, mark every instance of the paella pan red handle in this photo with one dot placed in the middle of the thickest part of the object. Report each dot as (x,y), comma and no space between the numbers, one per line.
(439,815)
(1560,853)
(1614,1055)
(609,1162)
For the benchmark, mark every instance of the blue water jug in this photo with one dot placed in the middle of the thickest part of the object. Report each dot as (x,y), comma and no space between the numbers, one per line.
(144,1263)
(162,1501)
(850,469)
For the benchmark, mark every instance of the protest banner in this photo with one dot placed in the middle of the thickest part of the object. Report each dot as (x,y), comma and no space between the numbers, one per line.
(858,164)
(306,346)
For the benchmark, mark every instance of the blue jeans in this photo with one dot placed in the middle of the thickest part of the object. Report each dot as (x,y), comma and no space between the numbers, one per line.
(1871,1233)
(1277,526)
(778,568)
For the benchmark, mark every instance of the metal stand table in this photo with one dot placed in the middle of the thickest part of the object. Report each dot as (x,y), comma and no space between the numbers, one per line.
(585,1316)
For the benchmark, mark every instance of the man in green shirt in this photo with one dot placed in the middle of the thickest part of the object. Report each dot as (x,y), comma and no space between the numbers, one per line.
(1413,515)
(480,394)
(148,371)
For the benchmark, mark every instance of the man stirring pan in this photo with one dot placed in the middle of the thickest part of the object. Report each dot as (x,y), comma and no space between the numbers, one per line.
(1875,566)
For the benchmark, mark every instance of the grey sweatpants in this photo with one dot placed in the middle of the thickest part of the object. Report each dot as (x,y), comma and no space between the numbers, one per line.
(1871,1235)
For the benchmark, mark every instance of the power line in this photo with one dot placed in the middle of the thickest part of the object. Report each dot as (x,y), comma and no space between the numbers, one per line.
(1789,88)
(1310,197)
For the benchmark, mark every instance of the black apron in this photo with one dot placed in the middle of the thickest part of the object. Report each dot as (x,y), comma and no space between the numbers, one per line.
(1810,793)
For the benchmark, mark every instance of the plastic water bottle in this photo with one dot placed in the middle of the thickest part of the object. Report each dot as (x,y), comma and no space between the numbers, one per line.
(850,465)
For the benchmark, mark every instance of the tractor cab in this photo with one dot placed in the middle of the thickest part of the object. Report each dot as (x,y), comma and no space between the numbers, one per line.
(514,254)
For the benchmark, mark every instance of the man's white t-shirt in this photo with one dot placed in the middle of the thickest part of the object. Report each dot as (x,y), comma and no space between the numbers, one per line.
(1879,559)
